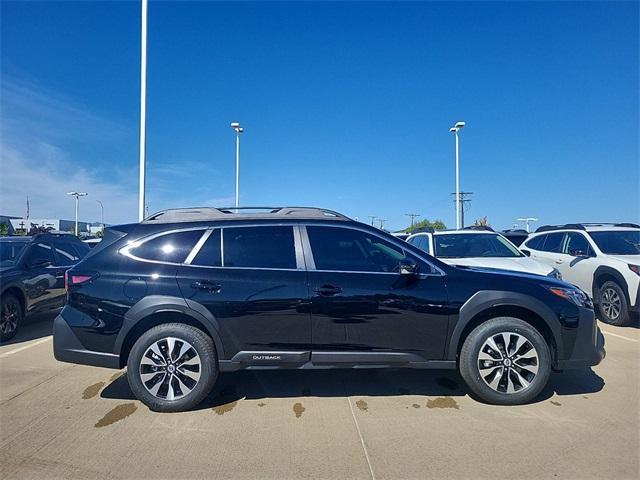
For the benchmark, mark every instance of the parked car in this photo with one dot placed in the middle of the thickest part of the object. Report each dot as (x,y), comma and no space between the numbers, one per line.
(478,247)
(515,235)
(189,293)
(32,275)
(602,259)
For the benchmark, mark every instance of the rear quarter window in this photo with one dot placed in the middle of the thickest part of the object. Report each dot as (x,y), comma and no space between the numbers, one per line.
(169,247)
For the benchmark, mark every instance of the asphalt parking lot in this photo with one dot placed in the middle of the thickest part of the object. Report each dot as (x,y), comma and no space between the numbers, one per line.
(70,421)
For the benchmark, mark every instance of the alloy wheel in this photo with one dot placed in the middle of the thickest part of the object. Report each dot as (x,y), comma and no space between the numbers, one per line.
(508,362)
(611,303)
(9,318)
(170,368)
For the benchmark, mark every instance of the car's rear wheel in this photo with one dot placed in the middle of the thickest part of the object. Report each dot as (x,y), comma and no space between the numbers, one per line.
(505,361)
(612,305)
(10,316)
(172,367)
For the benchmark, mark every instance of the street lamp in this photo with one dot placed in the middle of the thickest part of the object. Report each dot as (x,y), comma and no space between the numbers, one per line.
(101,215)
(455,129)
(77,195)
(238,129)
(527,221)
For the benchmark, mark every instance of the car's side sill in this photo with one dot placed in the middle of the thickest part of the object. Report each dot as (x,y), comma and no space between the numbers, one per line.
(269,360)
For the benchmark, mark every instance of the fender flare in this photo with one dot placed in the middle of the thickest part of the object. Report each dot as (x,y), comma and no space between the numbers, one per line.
(153,304)
(486,299)
(605,270)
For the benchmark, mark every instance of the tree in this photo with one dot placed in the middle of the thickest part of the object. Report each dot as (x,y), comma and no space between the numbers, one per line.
(425,223)
(100,233)
(4,229)
(481,222)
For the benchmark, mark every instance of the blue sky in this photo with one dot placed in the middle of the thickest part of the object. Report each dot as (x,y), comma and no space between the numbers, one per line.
(345,106)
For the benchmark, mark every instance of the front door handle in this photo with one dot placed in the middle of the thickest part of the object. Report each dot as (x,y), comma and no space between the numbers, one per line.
(558,262)
(328,290)
(207,286)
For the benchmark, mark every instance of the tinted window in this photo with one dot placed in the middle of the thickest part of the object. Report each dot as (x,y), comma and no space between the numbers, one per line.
(576,244)
(66,254)
(39,253)
(171,247)
(259,247)
(210,253)
(421,242)
(10,251)
(352,250)
(621,242)
(536,243)
(553,243)
(473,245)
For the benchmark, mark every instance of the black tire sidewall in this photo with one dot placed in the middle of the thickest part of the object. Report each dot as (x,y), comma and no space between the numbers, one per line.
(202,343)
(624,318)
(9,298)
(468,361)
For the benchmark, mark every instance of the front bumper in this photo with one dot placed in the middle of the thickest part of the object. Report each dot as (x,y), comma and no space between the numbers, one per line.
(67,348)
(588,349)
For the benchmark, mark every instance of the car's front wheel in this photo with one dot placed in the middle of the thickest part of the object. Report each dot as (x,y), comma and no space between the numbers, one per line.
(10,316)
(612,305)
(505,361)
(172,367)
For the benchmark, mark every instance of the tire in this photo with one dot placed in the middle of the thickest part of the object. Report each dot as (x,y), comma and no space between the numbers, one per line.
(499,381)
(178,385)
(11,315)
(613,307)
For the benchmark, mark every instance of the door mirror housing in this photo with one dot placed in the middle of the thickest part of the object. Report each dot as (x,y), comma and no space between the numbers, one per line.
(408,267)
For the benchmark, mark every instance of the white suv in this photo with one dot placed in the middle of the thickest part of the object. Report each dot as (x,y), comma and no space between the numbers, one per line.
(602,259)
(478,248)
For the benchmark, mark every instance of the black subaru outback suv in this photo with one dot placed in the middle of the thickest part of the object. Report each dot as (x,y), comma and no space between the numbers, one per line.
(189,293)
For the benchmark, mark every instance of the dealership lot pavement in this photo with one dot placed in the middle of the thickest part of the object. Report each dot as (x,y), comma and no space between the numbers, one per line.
(69,421)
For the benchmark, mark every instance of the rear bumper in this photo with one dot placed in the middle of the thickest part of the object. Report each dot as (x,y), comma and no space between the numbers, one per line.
(588,348)
(67,348)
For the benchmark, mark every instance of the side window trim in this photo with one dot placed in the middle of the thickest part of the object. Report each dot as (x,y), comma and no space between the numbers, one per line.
(310,262)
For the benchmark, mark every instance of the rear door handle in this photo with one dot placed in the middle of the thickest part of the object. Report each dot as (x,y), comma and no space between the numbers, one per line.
(328,290)
(207,286)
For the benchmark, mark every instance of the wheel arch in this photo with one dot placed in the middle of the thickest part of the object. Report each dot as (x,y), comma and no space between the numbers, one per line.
(604,274)
(157,310)
(491,304)
(19,294)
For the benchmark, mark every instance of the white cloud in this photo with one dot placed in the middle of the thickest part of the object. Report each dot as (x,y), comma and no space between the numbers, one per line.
(37,127)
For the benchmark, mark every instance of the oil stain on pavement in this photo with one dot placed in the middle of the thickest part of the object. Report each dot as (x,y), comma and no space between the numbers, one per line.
(298,409)
(92,390)
(362,405)
(557,404)
(443,402)
(116,414)
(227,407)
(415,405)
(225,400)
(117,375)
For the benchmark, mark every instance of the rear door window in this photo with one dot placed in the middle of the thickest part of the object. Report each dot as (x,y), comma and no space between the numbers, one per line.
(553,243)
(210,255)
(39,254)
(259,247)
(576,244)
(536,243)
(66,253)
(170,247)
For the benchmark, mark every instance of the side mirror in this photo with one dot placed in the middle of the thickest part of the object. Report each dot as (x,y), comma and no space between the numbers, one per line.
(408,267)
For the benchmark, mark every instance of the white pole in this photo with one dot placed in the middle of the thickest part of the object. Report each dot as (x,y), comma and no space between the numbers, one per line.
(237,169)
(457,184)
(77,204)
(143,109)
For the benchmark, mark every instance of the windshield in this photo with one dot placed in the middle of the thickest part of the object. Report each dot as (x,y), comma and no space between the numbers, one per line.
(621,242)
(473,246)
(9,252)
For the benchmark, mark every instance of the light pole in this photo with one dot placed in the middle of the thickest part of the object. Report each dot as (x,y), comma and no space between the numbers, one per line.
(143,109)
(238,129)
(372,217)
(527,221)
(77,195)
(455,130)
(101,215)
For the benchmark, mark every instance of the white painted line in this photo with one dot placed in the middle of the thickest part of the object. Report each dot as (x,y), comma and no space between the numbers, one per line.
(11,352)
(619,336)
(364,447)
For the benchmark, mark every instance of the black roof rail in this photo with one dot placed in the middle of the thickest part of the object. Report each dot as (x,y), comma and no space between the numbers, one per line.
(196,214)
(626,224)
(568,226)
(515,230)
(486,228)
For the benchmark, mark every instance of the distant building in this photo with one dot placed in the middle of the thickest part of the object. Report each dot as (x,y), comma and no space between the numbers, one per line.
(51,223)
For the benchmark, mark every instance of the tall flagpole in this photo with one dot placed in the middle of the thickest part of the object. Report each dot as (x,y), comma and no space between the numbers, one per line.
(143,109)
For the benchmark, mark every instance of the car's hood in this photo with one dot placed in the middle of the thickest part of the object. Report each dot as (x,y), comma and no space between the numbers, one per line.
(632,259)
(518,264)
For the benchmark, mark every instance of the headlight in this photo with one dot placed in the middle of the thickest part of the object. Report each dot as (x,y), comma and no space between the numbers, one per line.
(574,295)
(555,273)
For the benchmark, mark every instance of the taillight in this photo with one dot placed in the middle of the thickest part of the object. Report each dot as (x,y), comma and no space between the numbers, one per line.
(72,279)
